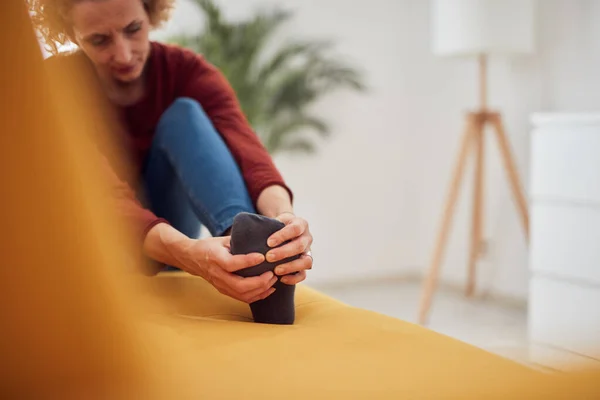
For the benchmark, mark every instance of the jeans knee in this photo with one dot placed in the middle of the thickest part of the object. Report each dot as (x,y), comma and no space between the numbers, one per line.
(187,107)
(184,116)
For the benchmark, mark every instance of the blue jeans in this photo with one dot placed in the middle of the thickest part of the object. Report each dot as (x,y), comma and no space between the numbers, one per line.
(190,178)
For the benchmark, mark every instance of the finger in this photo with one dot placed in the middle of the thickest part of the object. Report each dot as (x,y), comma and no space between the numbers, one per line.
(233,263)
(218,277)
(294,279)
(261,296)
(226,240)
(244,285)
(301,264)
(293,248)
(261,290)
(235,285)
(286,217)
(291,231)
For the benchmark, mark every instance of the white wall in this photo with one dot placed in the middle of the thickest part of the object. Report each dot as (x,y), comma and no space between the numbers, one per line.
(374,193)
(571,55)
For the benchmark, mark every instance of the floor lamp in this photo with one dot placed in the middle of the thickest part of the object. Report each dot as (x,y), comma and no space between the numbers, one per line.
(477,29)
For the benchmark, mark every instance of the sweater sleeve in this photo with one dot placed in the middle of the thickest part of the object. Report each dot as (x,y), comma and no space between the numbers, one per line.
(200,80)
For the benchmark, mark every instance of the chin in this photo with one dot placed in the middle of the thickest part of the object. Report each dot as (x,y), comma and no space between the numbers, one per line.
(128,77)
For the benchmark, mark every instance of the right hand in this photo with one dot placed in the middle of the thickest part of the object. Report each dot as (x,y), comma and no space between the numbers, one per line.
(211,259)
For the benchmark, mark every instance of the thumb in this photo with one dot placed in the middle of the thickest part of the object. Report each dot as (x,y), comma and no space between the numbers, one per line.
(226,241)
(241,261)
(286,217)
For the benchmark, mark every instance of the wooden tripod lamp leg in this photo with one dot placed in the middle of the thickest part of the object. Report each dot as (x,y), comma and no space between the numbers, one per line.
(477,227)
(430,282)
(511,169)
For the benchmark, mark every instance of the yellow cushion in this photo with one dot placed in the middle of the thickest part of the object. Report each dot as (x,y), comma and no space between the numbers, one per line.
(332,351)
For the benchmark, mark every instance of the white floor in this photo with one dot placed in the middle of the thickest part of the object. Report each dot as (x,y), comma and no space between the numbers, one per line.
(497,327)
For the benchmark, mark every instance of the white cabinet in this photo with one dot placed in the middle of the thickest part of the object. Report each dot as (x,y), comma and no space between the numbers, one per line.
(564,297)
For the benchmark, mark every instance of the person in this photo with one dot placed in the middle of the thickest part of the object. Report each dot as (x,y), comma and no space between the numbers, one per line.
(197,161)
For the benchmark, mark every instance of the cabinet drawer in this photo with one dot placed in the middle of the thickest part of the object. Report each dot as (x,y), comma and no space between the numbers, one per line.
(565,162)
(565,315)
(565,241)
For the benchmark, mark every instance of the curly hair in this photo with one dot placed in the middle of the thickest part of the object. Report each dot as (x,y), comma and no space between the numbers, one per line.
(49,18)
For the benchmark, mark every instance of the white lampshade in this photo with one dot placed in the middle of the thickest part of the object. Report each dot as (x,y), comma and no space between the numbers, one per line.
(472,27)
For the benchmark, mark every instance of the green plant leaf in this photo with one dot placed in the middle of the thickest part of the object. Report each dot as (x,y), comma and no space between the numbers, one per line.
(286,55)
(298,145)
(294,124)
(274,91)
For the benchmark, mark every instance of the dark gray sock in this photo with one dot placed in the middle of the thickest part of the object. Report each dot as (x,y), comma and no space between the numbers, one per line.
(249,234)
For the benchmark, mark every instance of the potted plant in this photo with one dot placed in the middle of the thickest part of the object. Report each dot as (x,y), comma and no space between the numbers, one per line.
(275,90)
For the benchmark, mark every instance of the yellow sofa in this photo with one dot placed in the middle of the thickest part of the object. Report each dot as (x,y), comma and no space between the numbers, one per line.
(332,351)
(77,325)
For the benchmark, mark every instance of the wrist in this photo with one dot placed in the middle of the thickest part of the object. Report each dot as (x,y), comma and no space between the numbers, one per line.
(167,245)
(274,201)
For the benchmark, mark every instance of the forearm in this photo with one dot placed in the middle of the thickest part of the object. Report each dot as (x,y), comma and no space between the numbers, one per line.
(274,201)
(165,244)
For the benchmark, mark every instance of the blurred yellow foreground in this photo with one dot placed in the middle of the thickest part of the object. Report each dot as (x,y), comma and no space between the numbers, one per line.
(80,321)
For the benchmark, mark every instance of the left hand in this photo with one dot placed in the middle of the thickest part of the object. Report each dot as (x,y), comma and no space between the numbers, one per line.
(297,232)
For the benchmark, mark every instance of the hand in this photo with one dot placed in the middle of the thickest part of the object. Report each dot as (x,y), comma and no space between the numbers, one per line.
(211,259)
(300,239)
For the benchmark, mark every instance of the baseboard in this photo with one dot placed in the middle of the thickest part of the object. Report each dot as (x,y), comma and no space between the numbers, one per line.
(414,277)
(501,298)
(371,280)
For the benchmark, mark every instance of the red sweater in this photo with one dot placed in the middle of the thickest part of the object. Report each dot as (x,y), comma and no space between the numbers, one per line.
(174,72)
